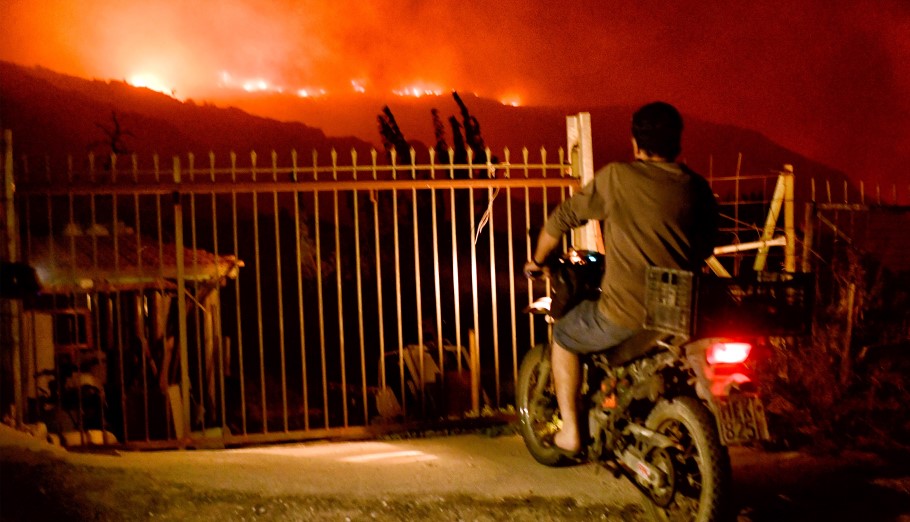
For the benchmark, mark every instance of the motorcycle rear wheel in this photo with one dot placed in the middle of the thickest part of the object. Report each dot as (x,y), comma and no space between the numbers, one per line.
(538,412)
(702,470)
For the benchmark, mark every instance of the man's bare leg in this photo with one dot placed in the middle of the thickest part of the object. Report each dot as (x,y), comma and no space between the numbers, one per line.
(567,380)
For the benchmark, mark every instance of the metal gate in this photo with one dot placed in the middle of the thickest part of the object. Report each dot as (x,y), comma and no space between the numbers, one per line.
(195,301)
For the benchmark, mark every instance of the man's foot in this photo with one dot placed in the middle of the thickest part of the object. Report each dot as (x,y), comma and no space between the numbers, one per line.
(567,442)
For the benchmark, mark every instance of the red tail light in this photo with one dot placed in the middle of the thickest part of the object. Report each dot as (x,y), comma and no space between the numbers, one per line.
(728,352)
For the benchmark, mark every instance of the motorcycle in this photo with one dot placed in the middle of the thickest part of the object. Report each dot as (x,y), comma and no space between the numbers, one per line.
(663,407)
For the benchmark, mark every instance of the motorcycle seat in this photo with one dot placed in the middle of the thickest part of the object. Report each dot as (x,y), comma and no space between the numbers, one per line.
(636,346)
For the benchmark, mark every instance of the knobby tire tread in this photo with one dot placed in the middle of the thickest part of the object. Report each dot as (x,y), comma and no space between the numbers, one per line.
(694,414)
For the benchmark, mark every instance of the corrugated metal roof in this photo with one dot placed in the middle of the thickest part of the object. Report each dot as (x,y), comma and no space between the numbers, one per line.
(121,262)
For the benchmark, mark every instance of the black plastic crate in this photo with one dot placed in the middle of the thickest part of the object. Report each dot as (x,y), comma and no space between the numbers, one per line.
(766,303)
(668,300)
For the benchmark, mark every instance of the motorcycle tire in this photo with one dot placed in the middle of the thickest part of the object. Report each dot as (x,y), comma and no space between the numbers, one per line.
(538,413)
(701,490)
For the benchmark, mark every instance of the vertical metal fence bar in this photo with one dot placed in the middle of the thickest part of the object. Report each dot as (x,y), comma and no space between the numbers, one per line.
(455,288)
(141,332)
(164,375)
(200,359)
(381,321)
(546,207)
(737,197)
(118,300)
(528,239)
(401,378)
(140,305)
(491,194)
(71,230)
(339,290)
(53,263)
(325,385)
(835,240)
(51,247)
(436,279)
(112,345)
(187,405)
(279,293)
(27,357)
(115,232)
(257,257)
(238,317)
(12,308)
(300,310)
(418,293)
(543,174)
(355,197)
(181,305)
(475,370)
(218,339)
(78,351)
(29,366)
(513,318)
(27,212)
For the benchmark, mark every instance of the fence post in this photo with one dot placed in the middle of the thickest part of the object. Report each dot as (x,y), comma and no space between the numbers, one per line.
(9,190)
(808,236)
(581,153)
(846,362)
(783,197)
(181,311)
(789,227)
(11,308)
(475,372)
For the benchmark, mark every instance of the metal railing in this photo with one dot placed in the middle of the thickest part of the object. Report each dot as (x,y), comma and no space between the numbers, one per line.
(318,299)
(231,300)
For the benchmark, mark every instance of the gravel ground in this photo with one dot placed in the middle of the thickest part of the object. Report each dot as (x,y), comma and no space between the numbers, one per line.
(465,477)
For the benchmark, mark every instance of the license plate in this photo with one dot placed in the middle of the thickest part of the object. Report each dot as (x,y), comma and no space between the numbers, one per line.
(741,419)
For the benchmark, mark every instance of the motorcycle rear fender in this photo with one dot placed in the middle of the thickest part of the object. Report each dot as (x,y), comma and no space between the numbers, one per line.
(717,381)
(730,394)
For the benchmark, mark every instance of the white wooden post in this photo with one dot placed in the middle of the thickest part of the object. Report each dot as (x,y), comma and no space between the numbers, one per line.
(789,225)
(581,152)
(782,199)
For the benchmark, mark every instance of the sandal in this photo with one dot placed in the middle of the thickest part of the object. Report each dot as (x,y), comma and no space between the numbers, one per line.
(577,456)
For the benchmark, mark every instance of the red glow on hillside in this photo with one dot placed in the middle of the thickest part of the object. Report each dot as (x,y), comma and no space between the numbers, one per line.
(835,89)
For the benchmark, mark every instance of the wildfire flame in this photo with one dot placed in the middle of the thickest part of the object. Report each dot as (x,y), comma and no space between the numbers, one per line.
(152,82)
(226,80)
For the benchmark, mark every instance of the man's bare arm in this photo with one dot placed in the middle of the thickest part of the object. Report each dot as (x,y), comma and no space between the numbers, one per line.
(545,244)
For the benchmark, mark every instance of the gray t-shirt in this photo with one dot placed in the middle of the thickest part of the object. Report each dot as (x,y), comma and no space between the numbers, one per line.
(654,214)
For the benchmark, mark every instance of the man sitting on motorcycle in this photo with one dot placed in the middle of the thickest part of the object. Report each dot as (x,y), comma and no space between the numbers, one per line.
(655,212)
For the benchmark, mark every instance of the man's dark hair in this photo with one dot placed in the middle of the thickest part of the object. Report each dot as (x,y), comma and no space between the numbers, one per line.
(657,128)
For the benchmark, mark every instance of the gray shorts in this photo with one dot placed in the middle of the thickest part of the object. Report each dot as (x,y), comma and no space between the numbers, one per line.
(585,330)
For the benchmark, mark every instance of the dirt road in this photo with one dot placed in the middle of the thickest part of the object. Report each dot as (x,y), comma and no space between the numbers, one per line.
(465,477)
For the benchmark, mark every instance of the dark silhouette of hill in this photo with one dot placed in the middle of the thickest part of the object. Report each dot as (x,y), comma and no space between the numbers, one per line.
(708,147)
(53,114)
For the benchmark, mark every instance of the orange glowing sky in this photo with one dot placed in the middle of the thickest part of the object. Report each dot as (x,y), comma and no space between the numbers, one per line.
(829,82)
